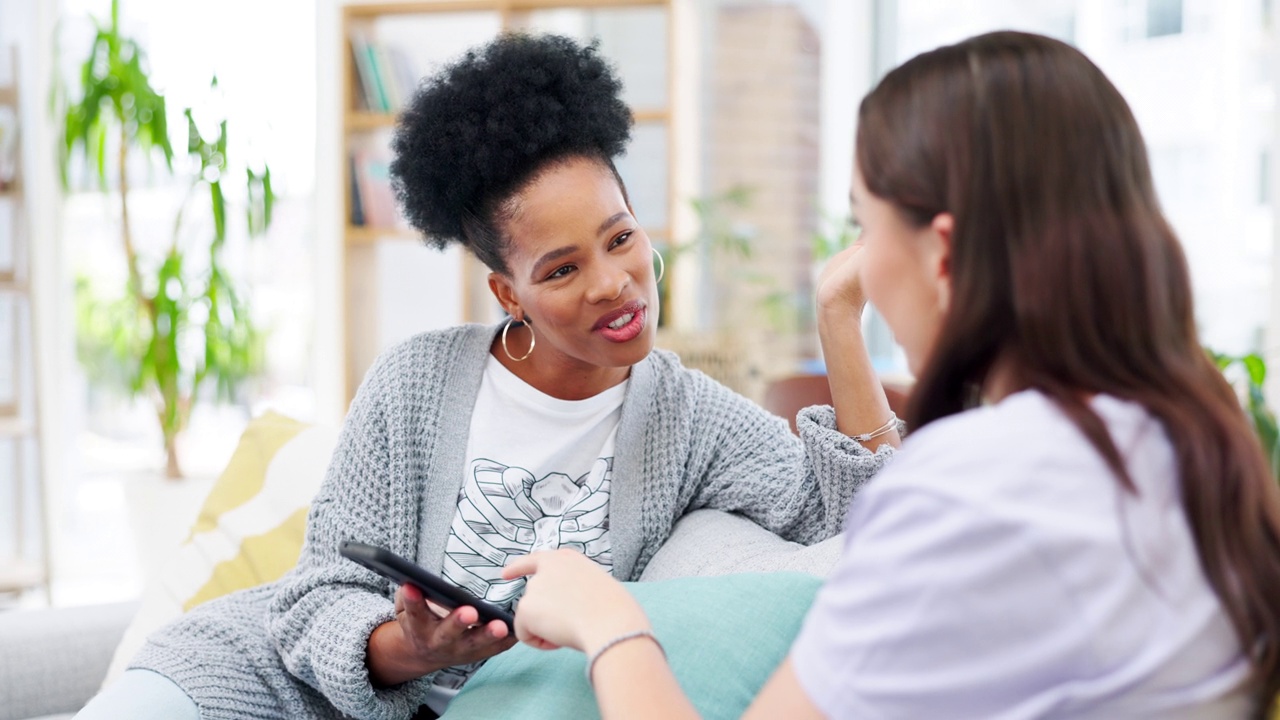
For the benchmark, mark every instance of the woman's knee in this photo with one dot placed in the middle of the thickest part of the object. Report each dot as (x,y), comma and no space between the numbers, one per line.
(142,695)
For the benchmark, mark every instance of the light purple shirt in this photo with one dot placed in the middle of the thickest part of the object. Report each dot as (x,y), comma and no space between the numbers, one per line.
(997,569)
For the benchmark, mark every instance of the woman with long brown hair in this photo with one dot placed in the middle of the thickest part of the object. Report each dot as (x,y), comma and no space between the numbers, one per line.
(1082,524)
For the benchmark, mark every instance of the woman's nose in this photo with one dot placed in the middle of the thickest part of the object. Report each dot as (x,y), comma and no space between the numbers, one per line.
(608,283)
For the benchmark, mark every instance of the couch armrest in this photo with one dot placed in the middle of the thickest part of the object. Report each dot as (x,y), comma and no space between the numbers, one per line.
(54,660)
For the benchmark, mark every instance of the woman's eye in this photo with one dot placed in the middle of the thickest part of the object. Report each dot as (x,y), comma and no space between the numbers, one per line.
(621,239)
(560,272)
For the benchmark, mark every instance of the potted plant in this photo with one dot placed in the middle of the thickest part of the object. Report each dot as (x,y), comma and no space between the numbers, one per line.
(1254,401)
(181,319)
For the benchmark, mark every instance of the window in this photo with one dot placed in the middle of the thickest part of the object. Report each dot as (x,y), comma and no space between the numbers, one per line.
(1264,178)
(1143,19)
(1164,17)
(1176,90)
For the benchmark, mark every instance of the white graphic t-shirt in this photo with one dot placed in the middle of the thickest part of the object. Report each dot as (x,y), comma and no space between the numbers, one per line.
(537,478)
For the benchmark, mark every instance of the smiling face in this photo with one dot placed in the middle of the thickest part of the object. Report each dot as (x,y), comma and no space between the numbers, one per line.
(580,270)
(904,271)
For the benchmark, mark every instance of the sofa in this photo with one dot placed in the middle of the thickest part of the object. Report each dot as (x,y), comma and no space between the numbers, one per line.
(52,661)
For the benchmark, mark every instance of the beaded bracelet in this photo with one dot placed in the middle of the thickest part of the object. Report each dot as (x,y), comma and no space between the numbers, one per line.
(890,425)
(591,661)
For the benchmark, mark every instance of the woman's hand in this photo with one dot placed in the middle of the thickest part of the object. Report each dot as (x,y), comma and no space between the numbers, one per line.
(570,601)
(419,641)
(840,284)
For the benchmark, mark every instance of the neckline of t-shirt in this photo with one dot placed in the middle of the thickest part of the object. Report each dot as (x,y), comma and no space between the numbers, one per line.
(511,385)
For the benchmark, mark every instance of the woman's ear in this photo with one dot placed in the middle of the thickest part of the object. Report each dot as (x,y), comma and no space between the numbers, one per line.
(500,286)
(940,231)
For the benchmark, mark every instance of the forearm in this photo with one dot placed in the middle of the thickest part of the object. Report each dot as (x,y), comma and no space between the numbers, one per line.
(856,392)
(633,681)
(631,677)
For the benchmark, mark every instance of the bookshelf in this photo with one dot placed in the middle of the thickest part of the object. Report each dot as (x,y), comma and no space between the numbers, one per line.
(386,47)
(24,560)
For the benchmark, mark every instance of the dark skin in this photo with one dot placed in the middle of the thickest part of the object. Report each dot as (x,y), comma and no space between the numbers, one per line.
(419,642)
(576,255)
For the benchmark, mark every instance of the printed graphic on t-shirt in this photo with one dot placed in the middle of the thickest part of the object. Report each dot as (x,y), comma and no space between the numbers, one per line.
(506,512)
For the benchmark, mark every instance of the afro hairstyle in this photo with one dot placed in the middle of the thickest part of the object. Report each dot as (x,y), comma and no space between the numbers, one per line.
(482,128)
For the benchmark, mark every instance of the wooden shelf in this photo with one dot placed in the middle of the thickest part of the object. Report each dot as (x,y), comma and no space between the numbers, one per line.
(15,427)
(18,576)
(359,235)
(649,116)
(366,120)
(413,8)
(13,285)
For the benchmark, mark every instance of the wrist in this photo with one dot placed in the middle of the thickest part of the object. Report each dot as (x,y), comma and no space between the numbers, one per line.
(391,658)
(839,309)
(621,621)
(612,646)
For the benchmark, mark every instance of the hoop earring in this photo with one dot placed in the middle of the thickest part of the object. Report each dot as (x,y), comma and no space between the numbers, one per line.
(533,340)
(662,265)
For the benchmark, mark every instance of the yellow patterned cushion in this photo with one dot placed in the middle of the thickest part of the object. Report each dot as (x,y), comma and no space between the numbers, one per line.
(249,529)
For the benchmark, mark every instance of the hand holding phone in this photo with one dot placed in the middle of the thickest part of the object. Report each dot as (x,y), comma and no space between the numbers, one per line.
(434,589)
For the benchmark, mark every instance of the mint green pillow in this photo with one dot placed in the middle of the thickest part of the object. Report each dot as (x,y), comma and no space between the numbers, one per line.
(724,637)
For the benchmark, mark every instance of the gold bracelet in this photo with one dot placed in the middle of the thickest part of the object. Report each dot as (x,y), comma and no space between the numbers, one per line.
(591,662)
(890,424)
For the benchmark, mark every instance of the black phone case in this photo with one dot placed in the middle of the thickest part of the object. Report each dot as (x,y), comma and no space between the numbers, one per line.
(434,588)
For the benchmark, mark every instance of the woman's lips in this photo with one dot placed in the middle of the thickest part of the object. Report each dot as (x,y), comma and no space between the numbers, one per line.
(629,329)
(612,316)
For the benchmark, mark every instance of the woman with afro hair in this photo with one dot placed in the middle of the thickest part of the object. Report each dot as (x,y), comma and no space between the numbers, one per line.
(562,427)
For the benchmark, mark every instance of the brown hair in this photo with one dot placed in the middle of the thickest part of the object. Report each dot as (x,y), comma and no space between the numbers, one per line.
(1062,262)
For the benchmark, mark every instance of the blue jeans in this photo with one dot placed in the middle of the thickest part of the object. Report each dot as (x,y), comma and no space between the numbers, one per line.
(141,695)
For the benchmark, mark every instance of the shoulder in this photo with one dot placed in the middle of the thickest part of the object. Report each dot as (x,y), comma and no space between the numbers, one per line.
(426,354)
(423,365)
(1024,459)
(1007,440)
(434,344)
(670,384)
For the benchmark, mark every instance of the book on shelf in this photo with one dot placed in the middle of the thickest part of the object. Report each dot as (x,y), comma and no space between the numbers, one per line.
(357,207)
(371,191)
(385,76)
(370,92)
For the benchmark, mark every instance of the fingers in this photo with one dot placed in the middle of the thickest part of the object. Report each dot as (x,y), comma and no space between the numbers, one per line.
(521,566)
(410,600)
(450,630)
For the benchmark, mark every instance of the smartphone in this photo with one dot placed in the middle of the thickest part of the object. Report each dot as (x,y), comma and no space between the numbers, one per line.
(434,588)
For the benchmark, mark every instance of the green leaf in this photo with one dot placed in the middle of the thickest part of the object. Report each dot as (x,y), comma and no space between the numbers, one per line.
(219,214)
(1256,368)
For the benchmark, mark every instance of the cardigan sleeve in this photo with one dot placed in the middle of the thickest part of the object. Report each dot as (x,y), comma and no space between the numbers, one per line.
(747,461)
(325,609)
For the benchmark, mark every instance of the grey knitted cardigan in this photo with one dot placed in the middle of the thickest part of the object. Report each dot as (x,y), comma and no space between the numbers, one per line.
(296,648)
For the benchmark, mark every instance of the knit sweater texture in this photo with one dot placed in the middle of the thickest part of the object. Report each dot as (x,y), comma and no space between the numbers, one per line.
(296,648)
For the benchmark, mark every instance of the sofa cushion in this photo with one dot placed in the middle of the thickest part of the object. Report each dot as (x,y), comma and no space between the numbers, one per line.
(249,530)
(724,636)
(51,660)
(710,542)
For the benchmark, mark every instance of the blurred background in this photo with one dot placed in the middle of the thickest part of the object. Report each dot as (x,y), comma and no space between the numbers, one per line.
(196,225)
